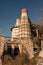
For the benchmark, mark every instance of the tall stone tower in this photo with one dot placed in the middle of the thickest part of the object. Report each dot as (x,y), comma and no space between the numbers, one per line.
(22,31)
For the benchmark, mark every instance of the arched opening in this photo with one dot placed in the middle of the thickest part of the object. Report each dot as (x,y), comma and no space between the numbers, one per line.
(15,52)
(7,51)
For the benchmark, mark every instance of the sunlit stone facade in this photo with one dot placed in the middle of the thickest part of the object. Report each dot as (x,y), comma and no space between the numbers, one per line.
(22,31)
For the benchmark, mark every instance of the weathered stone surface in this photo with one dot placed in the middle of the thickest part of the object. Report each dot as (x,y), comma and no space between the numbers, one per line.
(40,61)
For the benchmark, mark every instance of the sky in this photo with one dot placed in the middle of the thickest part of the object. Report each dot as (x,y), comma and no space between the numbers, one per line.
(10,10)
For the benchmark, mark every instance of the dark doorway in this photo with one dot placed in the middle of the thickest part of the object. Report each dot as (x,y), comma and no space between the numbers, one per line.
(15,52)
(10,51)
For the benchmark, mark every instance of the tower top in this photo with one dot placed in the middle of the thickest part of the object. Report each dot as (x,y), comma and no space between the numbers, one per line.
(24,12)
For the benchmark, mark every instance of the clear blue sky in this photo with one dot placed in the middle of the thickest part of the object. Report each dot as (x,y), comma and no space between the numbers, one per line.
(10,10)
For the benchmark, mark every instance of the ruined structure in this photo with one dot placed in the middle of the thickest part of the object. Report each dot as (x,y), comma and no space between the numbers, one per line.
(24,37)
(22,31)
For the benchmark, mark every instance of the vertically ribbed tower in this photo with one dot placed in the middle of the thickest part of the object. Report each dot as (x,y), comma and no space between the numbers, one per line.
(22,31)
(25,31)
